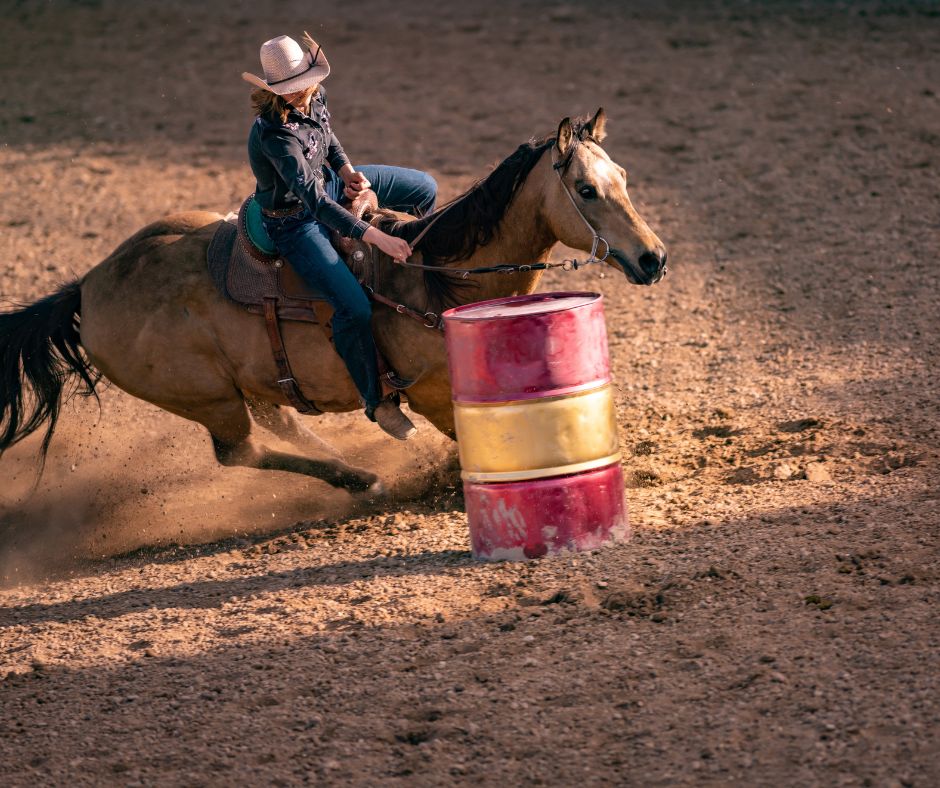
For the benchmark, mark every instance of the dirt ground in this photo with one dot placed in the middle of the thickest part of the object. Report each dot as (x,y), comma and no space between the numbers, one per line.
(773,621)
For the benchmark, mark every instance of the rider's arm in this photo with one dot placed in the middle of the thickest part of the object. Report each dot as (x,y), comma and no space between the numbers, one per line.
(286,156)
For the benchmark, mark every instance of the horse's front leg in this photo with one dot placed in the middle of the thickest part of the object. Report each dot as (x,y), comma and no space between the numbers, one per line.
(430,397)
(230,426)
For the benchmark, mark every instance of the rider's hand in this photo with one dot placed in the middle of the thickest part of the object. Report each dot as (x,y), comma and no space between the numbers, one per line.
(396,248)
(355,182)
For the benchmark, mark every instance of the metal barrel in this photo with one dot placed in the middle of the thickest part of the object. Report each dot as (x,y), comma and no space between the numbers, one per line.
(536,425)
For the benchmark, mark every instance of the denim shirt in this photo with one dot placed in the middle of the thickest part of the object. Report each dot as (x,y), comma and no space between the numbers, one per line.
(289,161)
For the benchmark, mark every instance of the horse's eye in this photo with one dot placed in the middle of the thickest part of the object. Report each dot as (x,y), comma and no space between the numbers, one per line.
(588,192)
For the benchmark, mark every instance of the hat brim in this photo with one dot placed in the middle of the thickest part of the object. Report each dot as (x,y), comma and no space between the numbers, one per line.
(312,76)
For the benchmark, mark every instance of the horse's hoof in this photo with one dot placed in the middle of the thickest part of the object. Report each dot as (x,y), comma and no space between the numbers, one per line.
(369,487)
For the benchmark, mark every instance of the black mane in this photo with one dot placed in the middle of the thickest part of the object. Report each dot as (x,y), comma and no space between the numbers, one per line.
(471,220)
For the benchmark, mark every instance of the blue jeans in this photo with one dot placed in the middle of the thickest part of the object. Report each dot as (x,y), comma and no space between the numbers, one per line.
(306,244)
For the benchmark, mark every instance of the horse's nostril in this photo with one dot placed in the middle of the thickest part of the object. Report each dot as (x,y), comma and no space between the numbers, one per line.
(651,263)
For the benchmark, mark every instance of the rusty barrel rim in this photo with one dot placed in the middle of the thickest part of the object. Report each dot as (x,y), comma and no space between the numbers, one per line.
(540,474)
(525,396)
(465,312)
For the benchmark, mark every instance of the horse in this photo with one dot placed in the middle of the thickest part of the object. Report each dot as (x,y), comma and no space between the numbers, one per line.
(149,320)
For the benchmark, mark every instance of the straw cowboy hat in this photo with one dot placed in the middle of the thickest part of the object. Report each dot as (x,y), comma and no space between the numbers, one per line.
(287,68)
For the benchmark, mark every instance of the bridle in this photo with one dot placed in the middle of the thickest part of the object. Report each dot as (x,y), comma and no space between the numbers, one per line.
(432,320)
(560,167)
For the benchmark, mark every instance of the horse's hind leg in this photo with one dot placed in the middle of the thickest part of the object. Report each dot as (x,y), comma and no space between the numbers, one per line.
(285,425)
(230,425)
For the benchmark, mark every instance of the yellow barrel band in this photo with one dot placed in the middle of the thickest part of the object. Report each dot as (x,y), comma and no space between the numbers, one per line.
(537,435)
(541,473)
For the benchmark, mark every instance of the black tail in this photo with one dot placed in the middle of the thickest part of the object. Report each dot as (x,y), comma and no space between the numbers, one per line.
(40,359)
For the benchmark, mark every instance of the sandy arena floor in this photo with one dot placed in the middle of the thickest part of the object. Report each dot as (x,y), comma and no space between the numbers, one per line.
(165,621)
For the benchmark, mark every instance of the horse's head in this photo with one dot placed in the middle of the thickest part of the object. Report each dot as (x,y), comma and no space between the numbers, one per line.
(597,202)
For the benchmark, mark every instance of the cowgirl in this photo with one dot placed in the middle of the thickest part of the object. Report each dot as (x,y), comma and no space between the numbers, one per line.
(301,172)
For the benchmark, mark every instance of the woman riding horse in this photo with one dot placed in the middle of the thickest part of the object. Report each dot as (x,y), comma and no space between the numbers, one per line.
(302,172)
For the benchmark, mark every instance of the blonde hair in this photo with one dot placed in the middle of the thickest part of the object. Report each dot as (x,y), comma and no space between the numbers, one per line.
(270,105)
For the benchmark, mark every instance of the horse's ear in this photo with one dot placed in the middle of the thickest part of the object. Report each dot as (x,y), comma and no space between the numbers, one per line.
(565,136)
(597,125)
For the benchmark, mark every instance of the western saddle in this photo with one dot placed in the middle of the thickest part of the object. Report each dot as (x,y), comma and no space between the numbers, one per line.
(246,269)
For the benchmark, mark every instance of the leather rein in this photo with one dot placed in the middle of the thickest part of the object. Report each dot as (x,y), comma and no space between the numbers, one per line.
(433,320)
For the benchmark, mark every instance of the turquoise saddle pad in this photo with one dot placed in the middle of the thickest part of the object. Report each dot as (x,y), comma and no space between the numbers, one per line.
(255,227)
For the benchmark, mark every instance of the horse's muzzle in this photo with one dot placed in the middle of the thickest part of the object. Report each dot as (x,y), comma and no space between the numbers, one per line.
(653,265)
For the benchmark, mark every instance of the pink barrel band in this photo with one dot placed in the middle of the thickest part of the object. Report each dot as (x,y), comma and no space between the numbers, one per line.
(533,354)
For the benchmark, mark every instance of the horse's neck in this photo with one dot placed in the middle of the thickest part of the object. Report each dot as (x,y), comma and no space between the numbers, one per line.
(523,237)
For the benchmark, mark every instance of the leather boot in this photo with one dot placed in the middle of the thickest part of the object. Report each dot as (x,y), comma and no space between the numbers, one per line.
(390,418)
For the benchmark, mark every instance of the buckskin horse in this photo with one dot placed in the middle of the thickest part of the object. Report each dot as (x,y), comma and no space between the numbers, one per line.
(149,319)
